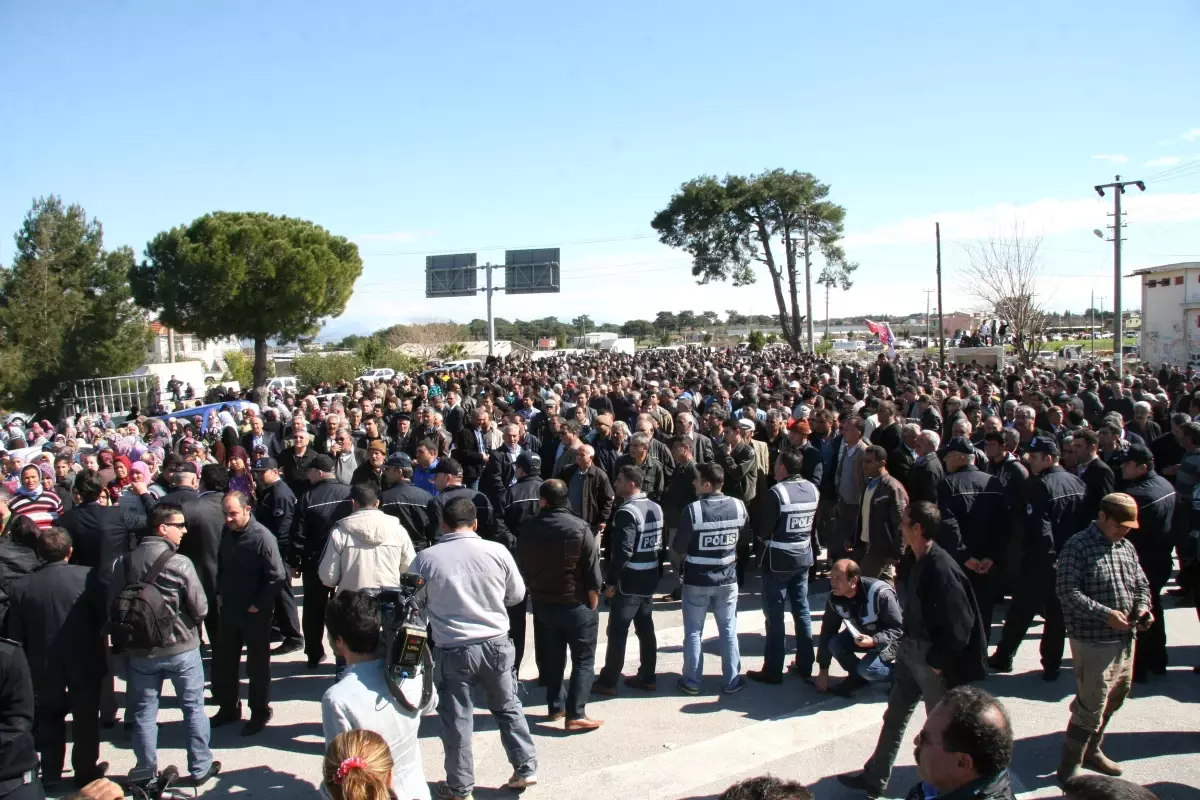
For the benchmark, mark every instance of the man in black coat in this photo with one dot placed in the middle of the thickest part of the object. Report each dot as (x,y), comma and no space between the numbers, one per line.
(404,501)
(901,460)
(1153,540)
(944,643)
(58,614)
(275,510)
(1096,475)
(500,472)
(259,439)
(205,522)
(471,447)
(520,502)
(99,534)
(18,753)
(927,471)
(448,478)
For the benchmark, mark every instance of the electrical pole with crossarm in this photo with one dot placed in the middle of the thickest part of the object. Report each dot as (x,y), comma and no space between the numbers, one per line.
(1118,186)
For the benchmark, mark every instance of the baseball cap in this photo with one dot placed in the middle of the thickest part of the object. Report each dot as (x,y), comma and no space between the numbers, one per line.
(529,462)
(1120,508)
(448,466)
(1137,453)
(322,463)
(265,463)
(400,460)
(959,444)
(188,466)
(1040,444)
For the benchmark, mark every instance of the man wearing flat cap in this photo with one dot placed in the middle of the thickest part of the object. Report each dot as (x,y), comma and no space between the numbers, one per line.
(1104,597)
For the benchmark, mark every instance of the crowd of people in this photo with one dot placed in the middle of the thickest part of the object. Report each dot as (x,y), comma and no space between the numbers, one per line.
(928,497)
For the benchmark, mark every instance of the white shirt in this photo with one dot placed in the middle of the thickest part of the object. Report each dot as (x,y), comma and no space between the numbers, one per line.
(361,701)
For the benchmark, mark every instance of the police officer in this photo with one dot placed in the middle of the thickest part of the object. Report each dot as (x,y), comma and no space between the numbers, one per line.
(1012,474)
(521,498)
(276,510)
(1054,512)
(448,478)
(786,530)
(708,535)
(520,504)
(325,502)
(1155,498)
(404,501)
(18,755)
(972,506)
(632,578)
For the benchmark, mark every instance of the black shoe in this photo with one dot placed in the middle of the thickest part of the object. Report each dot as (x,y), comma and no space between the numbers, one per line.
(288,646)
(1049,675)
(97,772)
(998,664)
(849,686)
(856,780)
(315,661)
(226,716)
(604,689)
(213,771)
(257,723)
(762,676)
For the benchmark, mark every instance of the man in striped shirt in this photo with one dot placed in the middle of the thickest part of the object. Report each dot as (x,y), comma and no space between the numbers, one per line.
(42,507)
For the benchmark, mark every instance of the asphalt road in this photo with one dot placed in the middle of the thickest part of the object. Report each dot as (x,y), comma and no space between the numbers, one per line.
(669,745)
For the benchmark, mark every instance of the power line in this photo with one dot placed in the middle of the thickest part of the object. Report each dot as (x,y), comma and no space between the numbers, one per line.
(465,249)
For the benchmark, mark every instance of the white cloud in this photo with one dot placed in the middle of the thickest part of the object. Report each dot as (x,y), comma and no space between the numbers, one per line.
(1112,158)
(1191,135)
(1165,161)
(1047,217)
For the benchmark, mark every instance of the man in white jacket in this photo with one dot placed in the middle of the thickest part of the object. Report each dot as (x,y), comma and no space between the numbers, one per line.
(369,549)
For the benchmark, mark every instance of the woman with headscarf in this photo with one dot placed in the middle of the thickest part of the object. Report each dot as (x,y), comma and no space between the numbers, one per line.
(106,473)
(123,477)
(240,477)
(225,445)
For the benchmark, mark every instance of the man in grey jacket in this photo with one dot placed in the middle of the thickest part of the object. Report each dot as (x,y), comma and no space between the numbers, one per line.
(471,582)
(178,659)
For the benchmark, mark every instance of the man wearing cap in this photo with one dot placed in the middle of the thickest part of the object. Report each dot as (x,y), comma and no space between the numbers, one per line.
(971,503)
(1153,540)
(405,501)
(798,431)
(1105,596)
(371,471)
(325,503)
(275,510)
(448,478)
(1053,513)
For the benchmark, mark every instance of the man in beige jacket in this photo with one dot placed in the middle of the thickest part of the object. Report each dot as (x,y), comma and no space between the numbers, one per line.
(368,549)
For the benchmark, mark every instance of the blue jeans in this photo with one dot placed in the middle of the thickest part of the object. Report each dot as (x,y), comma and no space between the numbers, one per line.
(697,600)
(186,673)
(776,589)
(866,664)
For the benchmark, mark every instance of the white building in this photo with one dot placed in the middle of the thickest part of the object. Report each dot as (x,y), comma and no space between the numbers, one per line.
(1170,320)
(190,348)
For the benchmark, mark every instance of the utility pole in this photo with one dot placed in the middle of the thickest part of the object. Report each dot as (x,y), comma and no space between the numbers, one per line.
(937,232)
(827,312)
(491,323)
(928,333)
(1118,187)
(808,289)
(1092,332)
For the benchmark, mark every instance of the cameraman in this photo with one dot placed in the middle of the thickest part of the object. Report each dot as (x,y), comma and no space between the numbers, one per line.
(361,700)
(471,583)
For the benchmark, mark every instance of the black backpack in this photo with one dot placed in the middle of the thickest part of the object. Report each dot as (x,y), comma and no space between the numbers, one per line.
(140,617)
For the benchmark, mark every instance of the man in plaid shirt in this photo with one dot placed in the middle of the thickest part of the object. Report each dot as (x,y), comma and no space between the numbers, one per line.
(1104,596)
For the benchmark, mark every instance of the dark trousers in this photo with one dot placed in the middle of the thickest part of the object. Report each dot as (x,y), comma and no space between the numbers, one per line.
(316,597)
(624,610)
(286,619)
(516,630)
(1036,595)
(743,559)
(1151,650)
(984,587)
(572,627)
(26,791)
(51,706)
(254,632)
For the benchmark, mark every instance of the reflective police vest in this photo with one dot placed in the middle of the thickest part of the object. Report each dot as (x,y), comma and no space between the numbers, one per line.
(790,547)
(716,521)
(639,575)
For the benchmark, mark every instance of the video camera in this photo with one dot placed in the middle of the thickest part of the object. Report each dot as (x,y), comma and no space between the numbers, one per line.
(405,637)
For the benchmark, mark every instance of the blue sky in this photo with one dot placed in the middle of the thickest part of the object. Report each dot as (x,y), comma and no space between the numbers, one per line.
(413,128)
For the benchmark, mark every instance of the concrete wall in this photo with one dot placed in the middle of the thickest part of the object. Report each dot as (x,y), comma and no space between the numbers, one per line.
(1164,338)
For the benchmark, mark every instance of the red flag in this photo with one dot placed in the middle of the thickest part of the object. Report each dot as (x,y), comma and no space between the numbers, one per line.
(874,327)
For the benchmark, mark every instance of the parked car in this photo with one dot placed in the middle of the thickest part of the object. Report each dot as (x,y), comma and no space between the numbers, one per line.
(377,374)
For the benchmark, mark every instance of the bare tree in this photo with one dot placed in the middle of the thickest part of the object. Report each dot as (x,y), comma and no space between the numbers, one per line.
(424,339)
(1002,275)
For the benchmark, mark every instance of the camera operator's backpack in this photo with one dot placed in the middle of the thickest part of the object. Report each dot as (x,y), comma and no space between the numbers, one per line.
(140,617)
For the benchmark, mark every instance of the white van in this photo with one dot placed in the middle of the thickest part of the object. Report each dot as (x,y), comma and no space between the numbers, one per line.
(465,365)
(378,374)
(282,384)
(849,347)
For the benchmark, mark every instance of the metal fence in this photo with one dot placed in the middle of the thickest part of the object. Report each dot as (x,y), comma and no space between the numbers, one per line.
(117,395)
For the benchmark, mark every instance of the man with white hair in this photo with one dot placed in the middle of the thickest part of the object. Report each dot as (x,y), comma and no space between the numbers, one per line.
(927,470)
(589,491)
(702,447)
